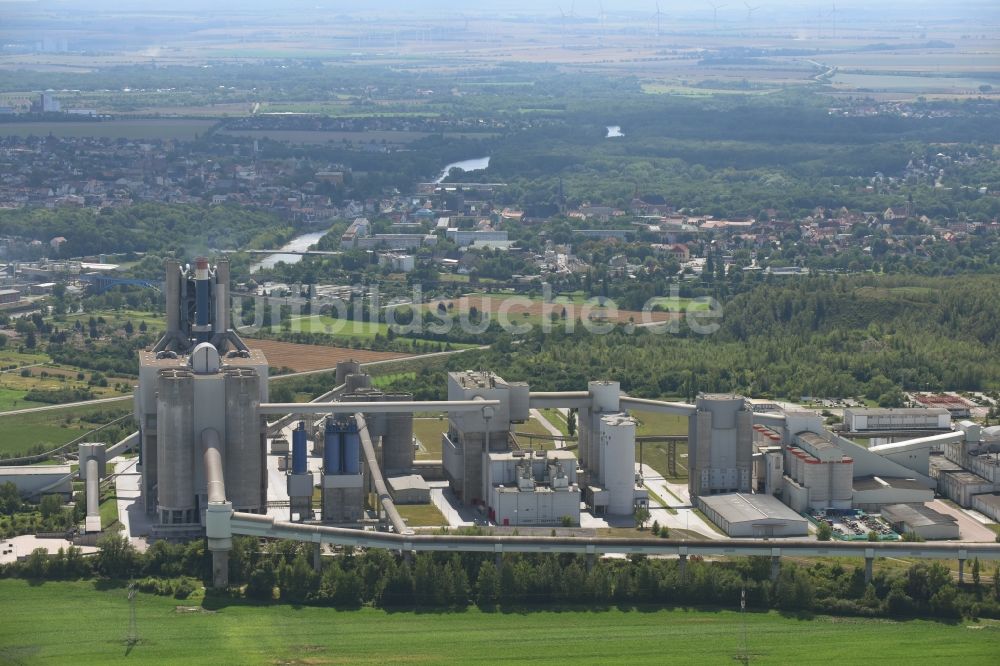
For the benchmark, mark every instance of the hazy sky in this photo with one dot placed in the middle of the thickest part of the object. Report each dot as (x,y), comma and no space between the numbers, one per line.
(582,7)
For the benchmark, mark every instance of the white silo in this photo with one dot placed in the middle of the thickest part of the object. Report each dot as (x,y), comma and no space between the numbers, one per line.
(616,452)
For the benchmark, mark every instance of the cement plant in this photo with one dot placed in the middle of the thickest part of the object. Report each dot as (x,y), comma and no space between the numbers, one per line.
(216,459)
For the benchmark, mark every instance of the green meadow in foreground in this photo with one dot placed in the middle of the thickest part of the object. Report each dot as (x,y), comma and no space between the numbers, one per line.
(86,623)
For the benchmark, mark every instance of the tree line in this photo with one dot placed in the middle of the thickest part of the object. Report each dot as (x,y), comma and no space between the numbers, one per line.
(268,571)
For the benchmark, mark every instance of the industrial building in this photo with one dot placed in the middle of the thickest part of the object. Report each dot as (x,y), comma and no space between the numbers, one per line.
(34,479)
(896,419)
(745,515)
(720,435)
(472,436)
(409,489)
(199,389)
(818,474)
(920,520)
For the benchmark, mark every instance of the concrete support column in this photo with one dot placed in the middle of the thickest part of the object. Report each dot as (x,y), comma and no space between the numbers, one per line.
(682,566)
(220,569)
(775,567)
(498,560)
(961,571)
(591,561)
(318,557)
(869,564)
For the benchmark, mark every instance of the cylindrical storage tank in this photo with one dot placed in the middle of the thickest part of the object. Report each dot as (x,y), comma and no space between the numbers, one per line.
(173,294)
(397,438)
(222,296)
(351,451)
(175,441)
(244,452)
(345,368)
(300,459)
(203,291)
(617,453)
(357,382)
(332,448)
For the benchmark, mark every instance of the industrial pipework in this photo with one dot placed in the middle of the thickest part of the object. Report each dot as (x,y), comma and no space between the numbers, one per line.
(381,489)
(218,513)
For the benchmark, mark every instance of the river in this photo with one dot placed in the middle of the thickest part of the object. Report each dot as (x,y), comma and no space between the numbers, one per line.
(298,244)
(476,164)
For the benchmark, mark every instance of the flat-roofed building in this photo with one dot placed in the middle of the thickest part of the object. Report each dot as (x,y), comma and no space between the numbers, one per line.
(31,479)
(960,486)
(746,515)
(872,492)
(987,504)
(917,418)
(921,520)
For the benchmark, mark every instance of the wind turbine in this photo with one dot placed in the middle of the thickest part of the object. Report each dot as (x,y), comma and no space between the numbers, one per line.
(833,13)
(658,15)
(750,11)
(562,21)
(715,16)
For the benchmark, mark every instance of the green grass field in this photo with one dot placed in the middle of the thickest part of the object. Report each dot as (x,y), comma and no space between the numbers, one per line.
(52,428)
(421,515)
(428,431)
(654,454)
(81,624)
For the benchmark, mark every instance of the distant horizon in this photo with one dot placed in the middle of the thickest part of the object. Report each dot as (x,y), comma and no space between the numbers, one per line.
(729,11)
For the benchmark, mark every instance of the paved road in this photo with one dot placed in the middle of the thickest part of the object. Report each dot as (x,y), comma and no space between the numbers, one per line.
(676,497)
(969,529)
(554,431)
(130,510)
(68,405)
(449,506)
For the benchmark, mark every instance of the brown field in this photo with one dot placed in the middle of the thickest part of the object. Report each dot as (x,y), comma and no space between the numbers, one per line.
(520,310)
(305,358)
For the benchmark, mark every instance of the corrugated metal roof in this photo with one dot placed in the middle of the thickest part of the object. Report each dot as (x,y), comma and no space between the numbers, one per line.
(739,507)
(916,515)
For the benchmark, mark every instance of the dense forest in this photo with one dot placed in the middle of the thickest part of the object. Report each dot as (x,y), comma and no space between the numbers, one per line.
(827,337)
(183,230)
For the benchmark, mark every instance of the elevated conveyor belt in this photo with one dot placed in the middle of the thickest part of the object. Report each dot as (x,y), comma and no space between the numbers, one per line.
(263,526)
(381,489)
